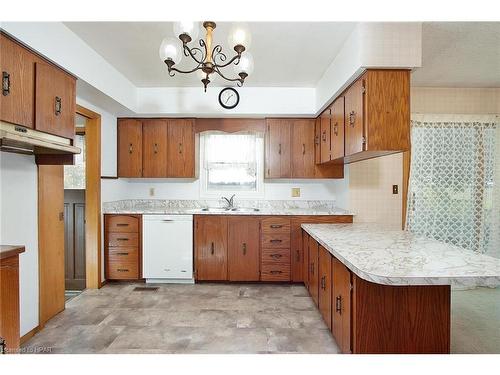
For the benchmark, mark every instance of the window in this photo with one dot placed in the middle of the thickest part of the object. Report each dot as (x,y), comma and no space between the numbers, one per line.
(231,163)
(74,175)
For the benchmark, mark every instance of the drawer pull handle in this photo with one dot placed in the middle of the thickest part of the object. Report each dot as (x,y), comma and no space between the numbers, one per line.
(130,148)
(276,241)
(5,83)
(122,239)
(156,148)
(276,256)
(338,304)
(336,129)
(244,248)
(121,253)
(297,257)
(323,282)
(212,248)
(303,148)
(122,225)
(275,272)
(276,226)
(58,106)
(122,270)
(279,149)
(352,118)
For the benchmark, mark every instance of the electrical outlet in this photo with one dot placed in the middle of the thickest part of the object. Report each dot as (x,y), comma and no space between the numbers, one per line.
(295,192)
(152,192)
(394,189)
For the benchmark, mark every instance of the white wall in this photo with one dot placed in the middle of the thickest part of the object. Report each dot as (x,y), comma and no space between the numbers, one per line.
(19,226)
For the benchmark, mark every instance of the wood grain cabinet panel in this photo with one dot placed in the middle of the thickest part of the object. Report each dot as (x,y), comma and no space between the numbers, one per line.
(17,65)
(278,148)
(337,129)
(210,243)
(154,148)
(303,149)
(129,148)
(325,124)
(354,118)
(313,270)
(341,306)
(325,285)
(275,272)
(243,249)
(122,223)
(277,224)
(276,240)
(55,101)
(9,302)
(180,148)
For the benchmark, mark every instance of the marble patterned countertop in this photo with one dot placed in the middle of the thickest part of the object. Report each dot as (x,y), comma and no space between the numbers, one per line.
(196,207)
(390,256)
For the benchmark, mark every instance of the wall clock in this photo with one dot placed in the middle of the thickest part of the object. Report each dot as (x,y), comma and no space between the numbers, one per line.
(229,98)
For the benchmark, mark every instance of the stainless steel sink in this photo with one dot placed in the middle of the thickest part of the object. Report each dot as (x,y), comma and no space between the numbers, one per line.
(245,209)
(215,209)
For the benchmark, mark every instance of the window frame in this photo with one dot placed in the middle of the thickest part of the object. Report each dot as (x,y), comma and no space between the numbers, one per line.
(217,194)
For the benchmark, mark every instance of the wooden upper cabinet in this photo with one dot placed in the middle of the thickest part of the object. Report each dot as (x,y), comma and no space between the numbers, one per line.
(354,118)
(341,305)
(129,148)
(325,285)
(55,101)
(278,152)
(317,140)
(18,83)
(154,148)
(303,150)
(210,241)
(337,129)
(180,148)
(325,121)
(243,248)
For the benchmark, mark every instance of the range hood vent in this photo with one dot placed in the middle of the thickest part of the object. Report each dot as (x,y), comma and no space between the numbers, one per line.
(21,140)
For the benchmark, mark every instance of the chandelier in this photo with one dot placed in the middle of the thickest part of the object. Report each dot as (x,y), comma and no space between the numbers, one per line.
(208,60)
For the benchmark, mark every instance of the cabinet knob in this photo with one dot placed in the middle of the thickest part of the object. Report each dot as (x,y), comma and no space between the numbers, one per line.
(155,148)
(130,148)
(244,248)
(5,83)
(180,148)
(58,105)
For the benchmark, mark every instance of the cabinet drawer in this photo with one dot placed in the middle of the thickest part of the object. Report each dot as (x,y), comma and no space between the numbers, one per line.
(275,225)
(123,239)
(122,223)
(274,256)
(122,270)
(275,272)
(123,254)
(276,240)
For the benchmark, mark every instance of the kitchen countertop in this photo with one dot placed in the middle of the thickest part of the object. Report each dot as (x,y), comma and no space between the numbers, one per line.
(387,255)
(7,251)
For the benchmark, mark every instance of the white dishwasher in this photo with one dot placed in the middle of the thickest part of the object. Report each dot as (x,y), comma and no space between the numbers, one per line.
(167,248)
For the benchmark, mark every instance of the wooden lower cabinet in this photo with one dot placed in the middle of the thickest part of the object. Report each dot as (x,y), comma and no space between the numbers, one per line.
(313,270)
(243,248)
(122,253)
(341,305)
(325,285)
(210,248)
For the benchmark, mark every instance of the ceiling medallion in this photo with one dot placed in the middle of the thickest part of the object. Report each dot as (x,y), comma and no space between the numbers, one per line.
(208,60)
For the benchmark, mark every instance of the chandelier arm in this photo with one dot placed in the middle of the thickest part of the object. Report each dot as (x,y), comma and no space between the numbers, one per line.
(217,70)
(236,57)
(184,71)
(193,54)
(204,45)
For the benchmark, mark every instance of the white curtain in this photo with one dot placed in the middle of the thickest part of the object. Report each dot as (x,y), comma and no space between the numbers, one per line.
(454,190)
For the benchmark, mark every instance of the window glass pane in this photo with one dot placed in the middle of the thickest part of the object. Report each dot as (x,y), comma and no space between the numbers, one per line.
(74,175)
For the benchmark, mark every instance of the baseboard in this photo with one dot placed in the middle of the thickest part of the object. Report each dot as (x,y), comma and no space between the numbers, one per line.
(29,335)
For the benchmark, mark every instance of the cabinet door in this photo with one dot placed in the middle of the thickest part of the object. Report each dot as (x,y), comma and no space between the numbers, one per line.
(303,150)
(243,249)
(297,251)
(129,148)
(55,101)
(337,131)
(154,148)
(18,84)
(341,306)
(325,285)
(305,262)
(354,118)
(180,148)
(317,141)
(325,135)
(313,269)
(278,148)
(211,247)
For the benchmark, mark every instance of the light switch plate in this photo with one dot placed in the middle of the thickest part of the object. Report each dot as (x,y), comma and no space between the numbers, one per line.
(152,192)
(394,189)
(295,192)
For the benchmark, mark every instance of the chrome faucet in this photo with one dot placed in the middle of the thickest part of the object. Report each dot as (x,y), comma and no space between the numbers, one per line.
(229,202)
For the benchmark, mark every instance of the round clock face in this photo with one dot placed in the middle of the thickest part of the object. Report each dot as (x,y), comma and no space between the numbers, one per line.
(229,98)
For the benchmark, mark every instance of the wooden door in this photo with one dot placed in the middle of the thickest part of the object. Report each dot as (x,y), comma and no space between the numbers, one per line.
(337,131)
(305,259)
(210,243)
(74,239)
(313,269)
(325,121)
(354,118)
(154,148)
(180,148)
(243,249)
(129,148)
(17,102)
(55,101)
(341,306)
(325,285)
(50,240)
(303,150)
(278,150)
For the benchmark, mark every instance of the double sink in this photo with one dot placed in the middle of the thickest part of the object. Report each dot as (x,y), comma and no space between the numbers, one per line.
(234,209)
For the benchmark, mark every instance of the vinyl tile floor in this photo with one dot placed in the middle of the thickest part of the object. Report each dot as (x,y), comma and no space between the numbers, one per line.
(227,318)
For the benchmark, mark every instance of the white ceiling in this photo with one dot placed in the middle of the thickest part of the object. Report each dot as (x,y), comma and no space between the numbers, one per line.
(286,54)
(459,54)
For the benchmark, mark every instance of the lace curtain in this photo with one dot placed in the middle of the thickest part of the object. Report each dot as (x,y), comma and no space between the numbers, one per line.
(454,193)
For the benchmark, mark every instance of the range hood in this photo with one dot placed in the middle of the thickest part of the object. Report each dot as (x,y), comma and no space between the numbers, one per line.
(22,140)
